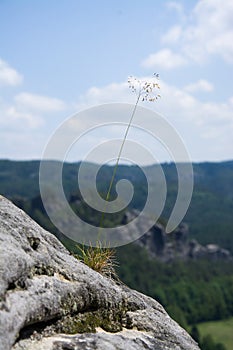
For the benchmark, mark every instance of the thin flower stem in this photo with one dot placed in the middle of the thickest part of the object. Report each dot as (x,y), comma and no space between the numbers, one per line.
(143,89)
(117,163)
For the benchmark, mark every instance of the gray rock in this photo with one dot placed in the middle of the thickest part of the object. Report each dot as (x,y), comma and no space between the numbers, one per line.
(50,300)
(177,245)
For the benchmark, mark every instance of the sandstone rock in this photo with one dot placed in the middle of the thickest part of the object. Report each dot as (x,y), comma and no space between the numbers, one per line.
(177,245)
(49,300)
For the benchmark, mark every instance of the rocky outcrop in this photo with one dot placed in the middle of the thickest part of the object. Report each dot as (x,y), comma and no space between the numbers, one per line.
(50,300)
(178,245)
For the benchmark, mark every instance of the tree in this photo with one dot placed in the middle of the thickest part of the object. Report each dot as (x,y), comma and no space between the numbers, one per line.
(195,334)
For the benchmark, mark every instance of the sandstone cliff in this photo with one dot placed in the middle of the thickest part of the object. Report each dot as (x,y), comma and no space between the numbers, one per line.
(178,245)
(49,300)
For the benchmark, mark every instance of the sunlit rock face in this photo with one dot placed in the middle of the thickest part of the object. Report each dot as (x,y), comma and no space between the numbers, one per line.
(49,300)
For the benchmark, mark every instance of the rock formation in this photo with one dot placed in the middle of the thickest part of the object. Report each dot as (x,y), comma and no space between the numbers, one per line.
(50,300)
(177,245)
(160,245)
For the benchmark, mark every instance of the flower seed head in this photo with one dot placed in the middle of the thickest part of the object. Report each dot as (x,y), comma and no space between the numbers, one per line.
(144,89)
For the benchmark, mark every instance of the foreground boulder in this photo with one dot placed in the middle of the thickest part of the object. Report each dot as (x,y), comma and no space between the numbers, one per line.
(49,300)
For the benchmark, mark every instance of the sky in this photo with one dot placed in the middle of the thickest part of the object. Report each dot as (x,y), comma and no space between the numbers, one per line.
(59,58)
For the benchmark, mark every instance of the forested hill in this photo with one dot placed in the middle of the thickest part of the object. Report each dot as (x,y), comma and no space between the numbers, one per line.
(210,214)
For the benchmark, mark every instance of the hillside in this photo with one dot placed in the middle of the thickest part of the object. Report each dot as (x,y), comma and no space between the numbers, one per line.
(209,221)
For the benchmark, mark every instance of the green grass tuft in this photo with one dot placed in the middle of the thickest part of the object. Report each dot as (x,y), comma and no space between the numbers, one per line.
(99,259)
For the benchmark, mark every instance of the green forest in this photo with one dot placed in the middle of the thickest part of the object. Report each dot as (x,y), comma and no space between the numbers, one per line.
(209,215)
(192,292)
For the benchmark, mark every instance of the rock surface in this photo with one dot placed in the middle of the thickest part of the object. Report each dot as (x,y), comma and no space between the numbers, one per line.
(177,245)
(49,300)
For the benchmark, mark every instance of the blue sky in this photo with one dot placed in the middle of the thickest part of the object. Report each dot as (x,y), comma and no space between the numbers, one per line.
(61,57)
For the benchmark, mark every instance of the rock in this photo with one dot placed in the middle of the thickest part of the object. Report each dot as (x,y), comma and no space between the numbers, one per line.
(177,245)
(210,251)
(50,300)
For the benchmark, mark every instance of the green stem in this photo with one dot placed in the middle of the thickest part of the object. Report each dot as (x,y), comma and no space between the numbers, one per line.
(117,163)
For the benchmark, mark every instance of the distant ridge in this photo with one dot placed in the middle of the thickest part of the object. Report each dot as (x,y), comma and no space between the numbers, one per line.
(210,214)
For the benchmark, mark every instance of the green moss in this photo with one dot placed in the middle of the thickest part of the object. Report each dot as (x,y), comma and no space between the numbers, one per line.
(78,324)
(110,321)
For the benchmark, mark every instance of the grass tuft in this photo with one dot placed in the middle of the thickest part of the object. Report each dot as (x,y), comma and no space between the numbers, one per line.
(99,259)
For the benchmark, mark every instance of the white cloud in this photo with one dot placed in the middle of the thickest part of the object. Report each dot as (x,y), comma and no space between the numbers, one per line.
(8,75)
(176,104)
(110,93)
(200,86)
(212,30)
(39,103)
(209,31)
(164,59)
(231,101)
(173,35)
(206,127)
(25,124)
(11,118)
(24,118)
(183,107)
(206,32)
(176,6)
(27,111)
